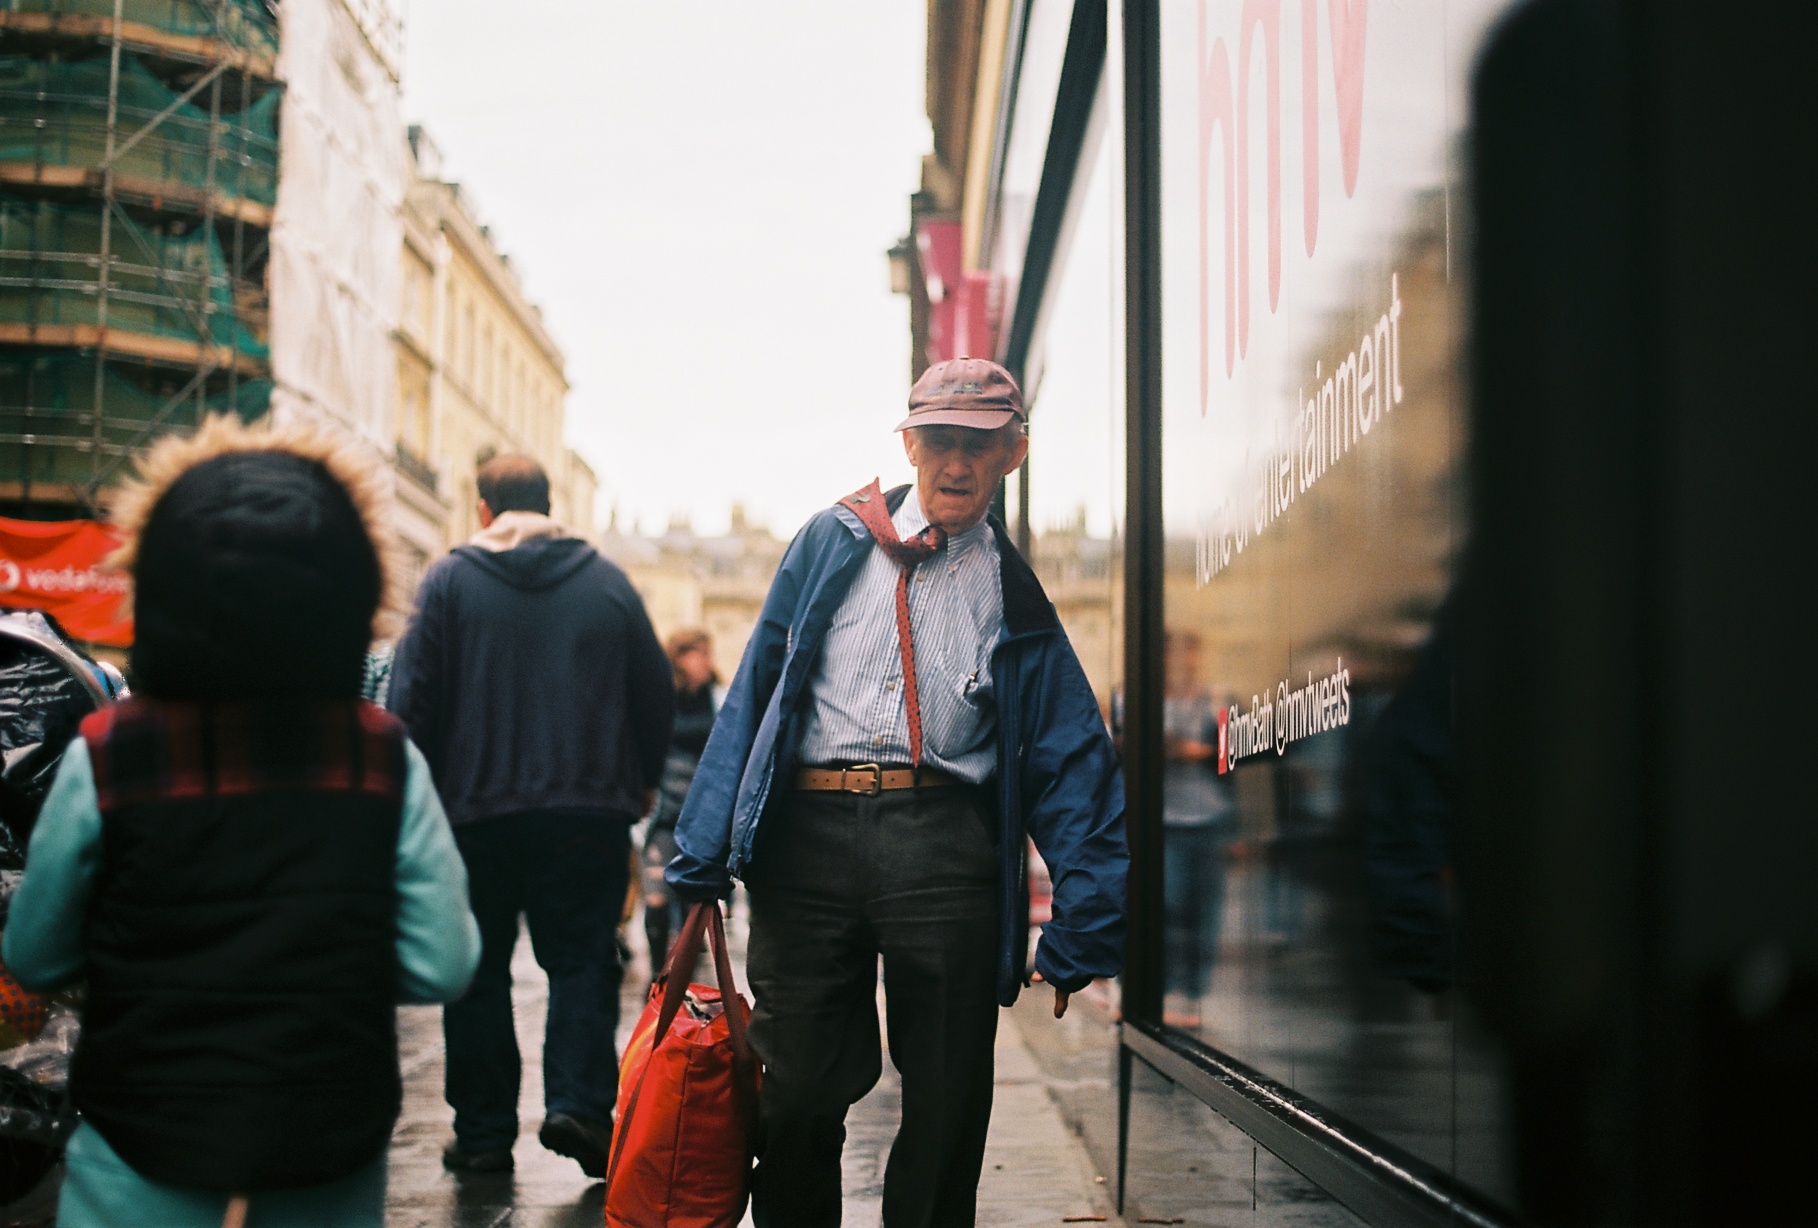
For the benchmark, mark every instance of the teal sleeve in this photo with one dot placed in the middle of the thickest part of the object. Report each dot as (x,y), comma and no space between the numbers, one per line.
(43,946)
(438,942)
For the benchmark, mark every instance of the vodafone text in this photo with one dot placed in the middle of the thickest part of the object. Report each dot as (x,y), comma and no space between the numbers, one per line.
(59,581)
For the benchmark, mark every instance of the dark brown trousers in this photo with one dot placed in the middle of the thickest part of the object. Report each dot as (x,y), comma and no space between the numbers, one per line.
(839,880)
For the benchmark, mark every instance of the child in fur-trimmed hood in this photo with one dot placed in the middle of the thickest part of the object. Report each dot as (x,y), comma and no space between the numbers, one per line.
(247,865)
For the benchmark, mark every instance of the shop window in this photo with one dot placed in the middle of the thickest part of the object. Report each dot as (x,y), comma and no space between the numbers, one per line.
(1312,461)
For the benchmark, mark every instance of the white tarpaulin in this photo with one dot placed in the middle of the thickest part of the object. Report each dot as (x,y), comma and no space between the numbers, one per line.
(336,236)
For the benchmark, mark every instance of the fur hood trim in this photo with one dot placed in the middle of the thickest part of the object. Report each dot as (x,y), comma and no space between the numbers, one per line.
(345,457)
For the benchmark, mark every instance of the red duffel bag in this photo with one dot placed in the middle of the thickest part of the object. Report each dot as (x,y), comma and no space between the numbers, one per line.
(687,1112)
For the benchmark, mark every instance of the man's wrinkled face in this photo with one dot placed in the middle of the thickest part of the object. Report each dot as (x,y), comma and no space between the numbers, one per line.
(957,470)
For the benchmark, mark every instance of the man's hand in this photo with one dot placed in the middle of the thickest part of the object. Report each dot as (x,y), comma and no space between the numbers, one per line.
(1060,997)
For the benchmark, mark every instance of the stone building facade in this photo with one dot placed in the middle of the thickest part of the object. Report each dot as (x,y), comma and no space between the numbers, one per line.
(690,580)
(477,371)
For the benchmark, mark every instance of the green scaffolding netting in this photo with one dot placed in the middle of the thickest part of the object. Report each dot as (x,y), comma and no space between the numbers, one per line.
(250,25)
(159,283)
(55,113)
(49,399)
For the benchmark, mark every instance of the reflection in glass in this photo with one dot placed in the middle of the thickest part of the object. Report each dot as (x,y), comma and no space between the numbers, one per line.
(1198,816)
(1313,456)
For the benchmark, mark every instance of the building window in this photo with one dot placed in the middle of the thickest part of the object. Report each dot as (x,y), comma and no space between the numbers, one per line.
(408,308)
(467,337)
(507,384)
(519,416)
(417,282)
(413,406)
(483,378)
(451,338)
(508,388)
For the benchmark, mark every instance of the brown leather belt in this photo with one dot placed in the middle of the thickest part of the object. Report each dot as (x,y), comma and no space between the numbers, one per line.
(871,779)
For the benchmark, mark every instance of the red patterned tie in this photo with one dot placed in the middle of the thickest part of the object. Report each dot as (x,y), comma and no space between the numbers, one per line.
(868,506)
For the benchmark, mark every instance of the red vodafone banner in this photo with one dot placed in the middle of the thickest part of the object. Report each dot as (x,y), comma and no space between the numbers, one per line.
(55,566)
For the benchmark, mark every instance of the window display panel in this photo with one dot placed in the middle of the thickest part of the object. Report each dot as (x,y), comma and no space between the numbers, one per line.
(1313,457)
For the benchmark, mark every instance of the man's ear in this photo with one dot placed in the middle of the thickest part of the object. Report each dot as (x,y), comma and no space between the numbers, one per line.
(1019,452)
(909,444)
(487,516)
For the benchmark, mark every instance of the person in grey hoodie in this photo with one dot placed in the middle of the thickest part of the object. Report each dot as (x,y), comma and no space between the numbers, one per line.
(532,680)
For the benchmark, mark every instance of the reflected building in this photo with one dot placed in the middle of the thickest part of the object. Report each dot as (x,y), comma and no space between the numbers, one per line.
(1080,572)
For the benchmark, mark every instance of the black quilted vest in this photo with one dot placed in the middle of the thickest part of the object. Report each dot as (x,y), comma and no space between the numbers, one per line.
(240,1028)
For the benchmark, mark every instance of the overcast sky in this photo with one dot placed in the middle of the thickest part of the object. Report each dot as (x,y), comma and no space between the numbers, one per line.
(699,196)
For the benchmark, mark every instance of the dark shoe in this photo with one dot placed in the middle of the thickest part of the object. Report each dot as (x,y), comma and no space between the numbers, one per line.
(586,1143)
(456,1160)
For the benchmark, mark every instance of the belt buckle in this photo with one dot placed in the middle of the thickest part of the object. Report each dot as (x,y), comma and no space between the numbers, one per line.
(877,779)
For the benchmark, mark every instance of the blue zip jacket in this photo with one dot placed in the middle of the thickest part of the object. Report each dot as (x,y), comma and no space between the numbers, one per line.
(1057,779)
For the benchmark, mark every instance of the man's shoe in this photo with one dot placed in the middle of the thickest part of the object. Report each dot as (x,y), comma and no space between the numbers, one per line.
(586,1143)
(457,1160)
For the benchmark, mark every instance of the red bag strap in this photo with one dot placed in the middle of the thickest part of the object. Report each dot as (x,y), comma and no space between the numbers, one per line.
(704,921)
(744,1062)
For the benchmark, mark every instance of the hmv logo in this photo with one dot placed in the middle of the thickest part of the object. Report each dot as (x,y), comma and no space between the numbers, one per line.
(1227,125)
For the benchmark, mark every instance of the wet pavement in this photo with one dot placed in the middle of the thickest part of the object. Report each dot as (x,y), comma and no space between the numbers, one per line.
(1036,1169)
(544,1191)
(1187,1165)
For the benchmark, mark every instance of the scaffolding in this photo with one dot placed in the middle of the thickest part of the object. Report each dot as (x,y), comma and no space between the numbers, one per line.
(138,177)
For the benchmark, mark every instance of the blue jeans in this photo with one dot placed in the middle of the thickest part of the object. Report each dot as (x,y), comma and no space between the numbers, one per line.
(566,874)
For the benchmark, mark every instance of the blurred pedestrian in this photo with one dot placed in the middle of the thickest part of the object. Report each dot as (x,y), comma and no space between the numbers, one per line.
(697,699)
(533,681)
(248,866)
(1198,813)
(907,709)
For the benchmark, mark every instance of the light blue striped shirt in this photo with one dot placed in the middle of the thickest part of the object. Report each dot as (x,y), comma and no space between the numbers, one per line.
(956,607)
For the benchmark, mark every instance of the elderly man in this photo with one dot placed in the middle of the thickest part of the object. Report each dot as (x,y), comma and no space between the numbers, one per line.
(907,709)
